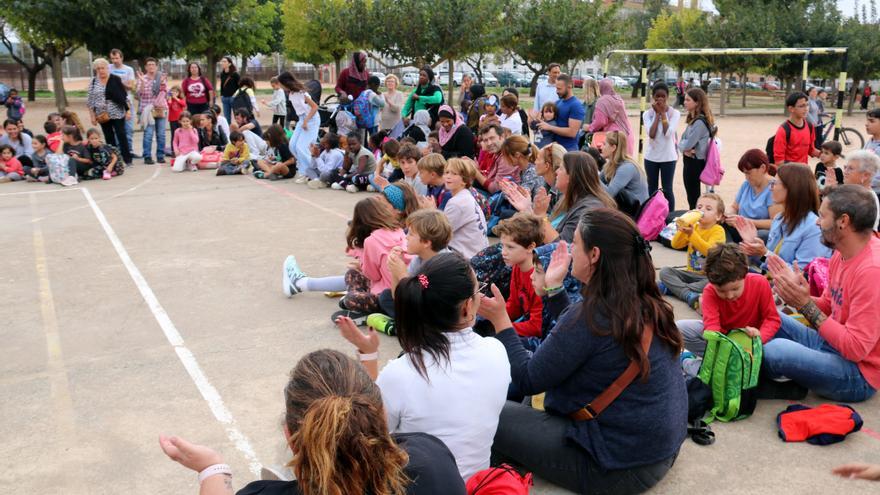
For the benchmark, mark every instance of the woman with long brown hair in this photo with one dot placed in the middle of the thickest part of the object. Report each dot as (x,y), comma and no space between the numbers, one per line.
(695,141)
(622,178)
(622,321)
(335,426)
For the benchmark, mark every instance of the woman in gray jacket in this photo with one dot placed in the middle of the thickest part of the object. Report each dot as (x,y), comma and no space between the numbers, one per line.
(695,141)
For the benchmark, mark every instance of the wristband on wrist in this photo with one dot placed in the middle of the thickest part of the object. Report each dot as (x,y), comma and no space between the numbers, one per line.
(551,290)
(372,356)
(213,470)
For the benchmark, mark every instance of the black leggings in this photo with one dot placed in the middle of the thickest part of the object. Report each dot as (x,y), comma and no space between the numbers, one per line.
(693,167)
(114,134)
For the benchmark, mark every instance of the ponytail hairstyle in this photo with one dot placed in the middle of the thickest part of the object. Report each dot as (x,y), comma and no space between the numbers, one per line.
(338,429)
(617,138)
(290,82)
(369,215)
(428,304)
(583,181)
(519,144)
(622,296)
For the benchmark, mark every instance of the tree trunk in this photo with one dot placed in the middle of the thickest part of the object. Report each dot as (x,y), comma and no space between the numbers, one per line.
(451,81)
(32,84)
(723,94)
(211,56)
(533,86)
(853,95)
(317,71)
(58,81)
(742,82)
(637,86)
(244,63)
(338,62)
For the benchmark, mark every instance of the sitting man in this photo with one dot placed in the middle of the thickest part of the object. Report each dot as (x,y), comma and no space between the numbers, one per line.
(839,357)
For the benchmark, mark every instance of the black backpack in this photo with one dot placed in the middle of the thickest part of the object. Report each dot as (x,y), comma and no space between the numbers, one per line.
(242,100)
(787,127)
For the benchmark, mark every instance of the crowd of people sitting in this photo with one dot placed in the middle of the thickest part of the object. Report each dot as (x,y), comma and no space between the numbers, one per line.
(510,348)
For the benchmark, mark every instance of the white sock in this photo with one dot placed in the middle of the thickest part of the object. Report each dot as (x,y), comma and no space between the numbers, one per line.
(322,284)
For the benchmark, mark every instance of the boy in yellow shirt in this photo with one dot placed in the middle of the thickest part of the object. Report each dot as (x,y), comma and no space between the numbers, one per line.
(236,153)
(699,237)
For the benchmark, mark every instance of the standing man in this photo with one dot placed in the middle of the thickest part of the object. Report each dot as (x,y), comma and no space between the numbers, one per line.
(151,90)
(569,115)
(795,139)
(126,73)
(546,92)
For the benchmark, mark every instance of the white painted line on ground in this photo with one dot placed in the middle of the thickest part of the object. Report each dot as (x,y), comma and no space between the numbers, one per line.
(42,191)
(298,198)
(209,393)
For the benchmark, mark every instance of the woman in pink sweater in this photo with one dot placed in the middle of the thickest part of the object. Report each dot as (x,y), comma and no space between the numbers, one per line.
(374,231)
(610,113)
(186,145)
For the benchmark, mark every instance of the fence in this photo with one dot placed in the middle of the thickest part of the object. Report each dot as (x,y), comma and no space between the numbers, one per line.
(14,76)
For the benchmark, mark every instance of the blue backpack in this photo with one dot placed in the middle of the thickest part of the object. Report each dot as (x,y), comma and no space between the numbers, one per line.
(363,111)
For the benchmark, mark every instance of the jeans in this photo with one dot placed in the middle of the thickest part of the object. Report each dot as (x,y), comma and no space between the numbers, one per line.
(114,134)
(692,333)
(300,141)
(538,442)
(682,283)
(666,172)
(129,132)
(691,174)
(227,107)
(159,128)
(799,353)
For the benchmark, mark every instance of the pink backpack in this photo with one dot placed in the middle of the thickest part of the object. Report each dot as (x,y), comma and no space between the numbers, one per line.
(817,274)
(713,172)
(652,217)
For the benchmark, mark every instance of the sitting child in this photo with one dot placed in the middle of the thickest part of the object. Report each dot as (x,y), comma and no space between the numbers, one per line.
(327,159)
(428,234)
(408,157)
(372,234)
(53,134)
(39,169)
(10,167)
(734,298)
(357,168)
(699,237)
(389,165)
(236,156)
(464,213)
(80,160)
(828,174)
(278,163)
(431,168)
(186,145)
(105,158)
(434,142)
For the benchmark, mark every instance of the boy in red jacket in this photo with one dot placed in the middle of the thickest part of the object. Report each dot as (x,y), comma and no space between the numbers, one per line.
(520,235)
(734,298)
(796,138)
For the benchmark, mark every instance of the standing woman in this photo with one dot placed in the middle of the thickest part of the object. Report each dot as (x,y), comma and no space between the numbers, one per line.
(591,96)
(695,141)
(352,81)
(427,96)
(307,124)
(108,106)
(197,90)
(610,113)
(622,321)
(229,79)
(464,95)
(661,155)
(390,119)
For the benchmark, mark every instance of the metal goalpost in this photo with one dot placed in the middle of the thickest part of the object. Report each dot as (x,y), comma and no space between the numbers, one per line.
(806,53)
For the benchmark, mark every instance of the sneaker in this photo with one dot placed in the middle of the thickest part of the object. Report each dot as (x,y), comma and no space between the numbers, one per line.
(161,160)
(370,188)
(106,175)
(291,274)
(44,179)
(381,323)
(360,319)
(259,174)
(317,184)
(693,300)
(5,179)
(301,180)
(663,290)
(246,168)
(135,155)
(69,181)
(149,161)
(352,188)
(336,186)
(30,178)
(273,177)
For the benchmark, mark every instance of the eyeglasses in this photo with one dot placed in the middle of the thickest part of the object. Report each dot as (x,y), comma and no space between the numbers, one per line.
(482,288)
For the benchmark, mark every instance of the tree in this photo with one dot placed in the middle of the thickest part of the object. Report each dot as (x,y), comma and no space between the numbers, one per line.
(38,61)
(272,26)
(245,28)
(684,28)
(636,24)
(540,32)
(317,31)
(863,57)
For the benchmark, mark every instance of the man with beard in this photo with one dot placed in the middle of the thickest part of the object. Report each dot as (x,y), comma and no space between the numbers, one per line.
(569,115)
(838,355)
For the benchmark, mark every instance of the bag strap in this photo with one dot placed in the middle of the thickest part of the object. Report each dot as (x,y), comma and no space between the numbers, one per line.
(603,400)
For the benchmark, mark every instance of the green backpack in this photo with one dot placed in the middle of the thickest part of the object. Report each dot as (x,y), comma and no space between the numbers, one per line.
(730,368)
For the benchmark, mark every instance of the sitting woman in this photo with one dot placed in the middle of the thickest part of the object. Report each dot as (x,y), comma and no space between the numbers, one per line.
(456,140)
(586,440)
(794,235)
(754,201)
(210,134)
(449,381)
(278,163)
(621,177)
(418,129)
(335,427)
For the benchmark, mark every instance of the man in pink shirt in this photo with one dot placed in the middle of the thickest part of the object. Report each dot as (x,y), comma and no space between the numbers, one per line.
(838,356)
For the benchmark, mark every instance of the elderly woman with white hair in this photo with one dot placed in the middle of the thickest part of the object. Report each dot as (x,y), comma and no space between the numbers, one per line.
(108,106)
(861,168)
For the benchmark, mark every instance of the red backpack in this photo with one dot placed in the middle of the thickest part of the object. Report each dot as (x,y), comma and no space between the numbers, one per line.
(501,480)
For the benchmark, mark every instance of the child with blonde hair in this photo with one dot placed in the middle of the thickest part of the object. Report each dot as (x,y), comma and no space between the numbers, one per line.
(465,215)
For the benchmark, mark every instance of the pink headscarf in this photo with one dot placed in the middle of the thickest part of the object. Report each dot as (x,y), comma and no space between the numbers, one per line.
(445,135)
(611,104)
(353,71)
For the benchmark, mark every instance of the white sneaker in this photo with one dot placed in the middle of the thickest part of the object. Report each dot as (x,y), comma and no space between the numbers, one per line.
(290,275)
(317,184)
(301,180)
(352,188)
(336,186)
(297,176)
(69,181)
(370,188)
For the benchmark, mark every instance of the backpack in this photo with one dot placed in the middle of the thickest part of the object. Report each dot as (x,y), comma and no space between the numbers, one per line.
(786,126)
(730,368)
(501,480)
(242,100)
(58,167)
(651,219)
(363,111)
(713,172)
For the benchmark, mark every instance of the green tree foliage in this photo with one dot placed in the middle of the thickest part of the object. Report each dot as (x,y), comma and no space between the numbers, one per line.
(544,31)
(317,31)
(861,36)
(686,28)
(636,25)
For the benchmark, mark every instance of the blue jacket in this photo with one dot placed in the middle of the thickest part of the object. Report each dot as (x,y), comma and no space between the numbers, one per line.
(648,421)
(802,245)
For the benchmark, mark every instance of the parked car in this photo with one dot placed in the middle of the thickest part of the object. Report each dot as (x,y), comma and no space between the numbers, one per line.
(769,86)
(577,81)
(380,75)
(443,78)
(754,86)
(506,79)
(489,79)
(630,80)
(410,79)
(620,82)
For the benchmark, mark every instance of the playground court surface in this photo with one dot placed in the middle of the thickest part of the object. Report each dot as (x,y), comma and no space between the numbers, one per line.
(151,304)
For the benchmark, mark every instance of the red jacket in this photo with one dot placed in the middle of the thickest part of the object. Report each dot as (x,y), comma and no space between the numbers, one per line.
(524,304)
(797,147)
(176,106)
(13,166)
(754,308)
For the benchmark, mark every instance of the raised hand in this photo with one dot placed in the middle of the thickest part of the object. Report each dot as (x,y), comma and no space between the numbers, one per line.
(365,343)
(494,309)
(541,203)
(395,262)
(560,261)
(520,201)
(746,229)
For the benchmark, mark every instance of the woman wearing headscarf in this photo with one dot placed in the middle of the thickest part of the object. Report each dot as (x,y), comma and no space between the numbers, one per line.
(427,96)
(610,113)
(456,139)
(353,79)
(419,128)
